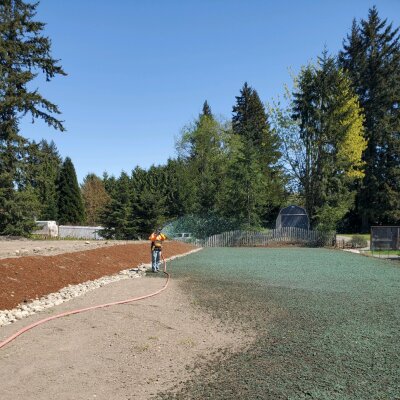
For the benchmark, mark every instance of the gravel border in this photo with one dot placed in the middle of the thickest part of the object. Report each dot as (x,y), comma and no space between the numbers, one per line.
(69,292)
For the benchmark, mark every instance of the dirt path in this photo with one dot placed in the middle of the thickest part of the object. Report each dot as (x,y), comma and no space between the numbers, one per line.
(129,351)
(124,352)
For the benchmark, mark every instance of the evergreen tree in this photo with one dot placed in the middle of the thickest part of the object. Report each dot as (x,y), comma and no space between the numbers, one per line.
(70,204)
(262,178)
(177,189)
(250,121)
(148,202)
(24,51)
(15,218)
(115,215)
(95,198)
(242,195)
(41,172)
(371,55)
(201,148)
(110,183)
(206,110)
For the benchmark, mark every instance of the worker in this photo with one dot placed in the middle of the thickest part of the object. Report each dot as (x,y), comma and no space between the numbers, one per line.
(156,247)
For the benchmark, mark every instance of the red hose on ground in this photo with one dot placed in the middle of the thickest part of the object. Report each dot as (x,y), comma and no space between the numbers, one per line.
(42,321)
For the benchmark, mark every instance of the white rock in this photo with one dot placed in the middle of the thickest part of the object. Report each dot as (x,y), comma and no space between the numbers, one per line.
(18,315)
(65,294)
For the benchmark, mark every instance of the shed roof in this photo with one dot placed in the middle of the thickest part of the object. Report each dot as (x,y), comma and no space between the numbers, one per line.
(293,210)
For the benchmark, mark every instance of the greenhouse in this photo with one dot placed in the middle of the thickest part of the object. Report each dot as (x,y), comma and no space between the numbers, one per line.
(293,216)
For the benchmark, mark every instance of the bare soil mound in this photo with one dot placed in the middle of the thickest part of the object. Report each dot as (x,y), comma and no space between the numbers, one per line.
(26,278)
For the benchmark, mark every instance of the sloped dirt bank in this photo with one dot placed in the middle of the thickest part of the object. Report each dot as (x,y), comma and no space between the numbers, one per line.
(26,278)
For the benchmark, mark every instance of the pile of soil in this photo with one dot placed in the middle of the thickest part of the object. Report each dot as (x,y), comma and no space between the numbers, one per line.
(26,278)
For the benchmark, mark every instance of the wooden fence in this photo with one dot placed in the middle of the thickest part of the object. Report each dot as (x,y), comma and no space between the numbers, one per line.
(263,239)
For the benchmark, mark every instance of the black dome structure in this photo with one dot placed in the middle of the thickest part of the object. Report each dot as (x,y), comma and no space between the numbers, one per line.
(293,217)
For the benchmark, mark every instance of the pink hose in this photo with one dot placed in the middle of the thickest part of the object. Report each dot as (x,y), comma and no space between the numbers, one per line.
(42,321)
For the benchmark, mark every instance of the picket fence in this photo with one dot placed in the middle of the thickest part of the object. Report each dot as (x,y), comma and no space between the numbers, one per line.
(263,239)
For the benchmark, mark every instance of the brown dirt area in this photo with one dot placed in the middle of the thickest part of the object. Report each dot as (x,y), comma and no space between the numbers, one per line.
(131,351)
(25,278)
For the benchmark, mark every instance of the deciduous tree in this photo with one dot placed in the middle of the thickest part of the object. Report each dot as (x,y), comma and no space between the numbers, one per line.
(95,198)
(322,136)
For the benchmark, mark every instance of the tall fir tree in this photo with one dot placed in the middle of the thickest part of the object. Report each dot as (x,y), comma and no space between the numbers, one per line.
(24,52)
(110,183)
(42,170)
(177,189)
(371,55)
(263,181)
(148,202)
(202,148)
(115,215)
(70,204)
(242,196)
(250,121)
(206,110)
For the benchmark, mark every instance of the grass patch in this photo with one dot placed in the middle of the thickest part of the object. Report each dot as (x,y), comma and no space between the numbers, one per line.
(383,253)
(365,236)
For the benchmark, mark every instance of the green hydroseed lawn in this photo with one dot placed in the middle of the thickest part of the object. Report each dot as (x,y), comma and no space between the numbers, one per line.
(327,323)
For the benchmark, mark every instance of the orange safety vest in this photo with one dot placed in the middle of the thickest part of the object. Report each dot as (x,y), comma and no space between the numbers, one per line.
(156,241)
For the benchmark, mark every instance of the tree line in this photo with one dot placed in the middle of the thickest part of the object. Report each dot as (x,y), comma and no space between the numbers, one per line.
(330,144)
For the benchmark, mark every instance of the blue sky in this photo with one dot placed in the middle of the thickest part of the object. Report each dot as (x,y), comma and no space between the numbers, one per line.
(139,70)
